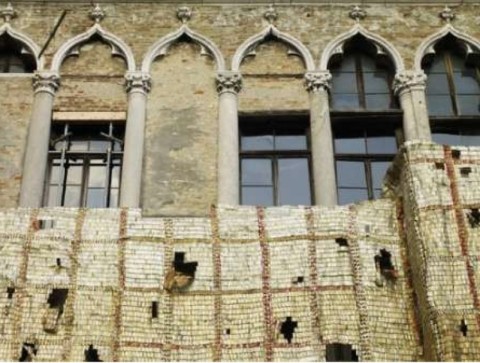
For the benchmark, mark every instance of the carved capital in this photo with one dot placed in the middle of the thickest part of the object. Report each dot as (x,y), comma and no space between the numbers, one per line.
(46,82)
(229,82)
(97,14)
(406,80)
(138,82)
(316,81)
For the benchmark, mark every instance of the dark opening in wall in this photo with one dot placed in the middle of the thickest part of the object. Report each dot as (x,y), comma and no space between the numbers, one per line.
(29,351)
(299,280)
(187,268)
(227,331)
(45,223)
(154,309)
(10,292)
(338,352)
(57,299)
(463,327)
(465,171)
(383,262)
(288,328)
(456,154)
(91,355)
(474,217)
(59,262)
(342,242)
(439,166)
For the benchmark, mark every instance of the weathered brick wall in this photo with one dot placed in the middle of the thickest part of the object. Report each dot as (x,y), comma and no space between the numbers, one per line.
(173,183)
(256,268)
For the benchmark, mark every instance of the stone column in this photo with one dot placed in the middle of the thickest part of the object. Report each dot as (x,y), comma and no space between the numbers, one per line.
(409,86)
(45,84)
(323,159)
(228,86)
(137,86)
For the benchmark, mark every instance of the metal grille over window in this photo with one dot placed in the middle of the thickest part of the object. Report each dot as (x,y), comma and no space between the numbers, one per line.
(85,163)
(453,92)
(275,161)
(14,58)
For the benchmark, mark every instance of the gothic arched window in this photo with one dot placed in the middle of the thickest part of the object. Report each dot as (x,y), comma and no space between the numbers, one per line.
(366,121)
(453,92)
(12,58)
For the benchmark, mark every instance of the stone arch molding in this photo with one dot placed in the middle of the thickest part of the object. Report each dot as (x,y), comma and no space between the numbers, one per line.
(72,47)
(28,45)
(472,46)
(336,46)
(161,46)
(248,47)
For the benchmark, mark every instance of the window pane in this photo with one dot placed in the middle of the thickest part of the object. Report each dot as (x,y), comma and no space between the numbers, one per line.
(466,82)
(52,196)
(376,82)
(347,196)
(470,138)
(379,169)
(437,84)
(378,101)
(95,198)
(113,198)
(437,66)
(294,142)
(97,175)
(72,196)
(368,63)
(258,142)
(74,174)
(99,145)
(350,145)
(446,138)
(115,181)
(257,196)
(256,172)
(351,174)
(469,104)
(439,105)
(344,83)
(381,144)
(54,173)
(345,101)
(78,145)
(293,182)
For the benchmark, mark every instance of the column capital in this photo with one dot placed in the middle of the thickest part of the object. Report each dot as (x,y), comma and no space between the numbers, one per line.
(318,80)
(229,82)
(138,82)
(46,82)
(407,80)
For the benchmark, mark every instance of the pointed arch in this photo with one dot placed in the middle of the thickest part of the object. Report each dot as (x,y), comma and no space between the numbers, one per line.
(472,46)
(28,45)
(251,44)
(336,46)
(161,46)
(71,47)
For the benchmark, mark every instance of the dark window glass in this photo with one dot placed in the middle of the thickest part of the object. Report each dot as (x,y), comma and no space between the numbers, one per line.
(453,94)
(361,79)
(275,161)
(12,58)
(85,165)
(363,154)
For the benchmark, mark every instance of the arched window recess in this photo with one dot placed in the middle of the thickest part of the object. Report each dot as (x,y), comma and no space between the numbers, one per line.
(18,53)
(184,33)
(451,61)
(73,46)
(296,48)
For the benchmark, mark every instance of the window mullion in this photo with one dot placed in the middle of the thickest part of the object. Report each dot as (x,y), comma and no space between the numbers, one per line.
(368,173)
(360,82)
(85,176)
(62,174)
(109,167)
(451,83)
(274,165)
